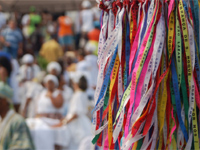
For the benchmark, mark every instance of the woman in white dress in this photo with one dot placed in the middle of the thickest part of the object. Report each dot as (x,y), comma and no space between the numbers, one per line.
(50,102)
(49,109)
(78,125)
(55,68)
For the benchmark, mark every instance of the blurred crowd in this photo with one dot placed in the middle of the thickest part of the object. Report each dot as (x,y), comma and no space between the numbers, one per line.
(48,75)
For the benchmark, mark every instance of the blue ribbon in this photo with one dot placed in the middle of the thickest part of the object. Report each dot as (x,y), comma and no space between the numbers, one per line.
(177,99)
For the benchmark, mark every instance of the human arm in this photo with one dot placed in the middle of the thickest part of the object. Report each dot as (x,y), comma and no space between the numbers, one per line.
(20,49)
(2,40)
(24,112)
(56,101)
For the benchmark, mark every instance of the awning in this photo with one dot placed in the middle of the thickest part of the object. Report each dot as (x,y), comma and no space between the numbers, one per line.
(50,5)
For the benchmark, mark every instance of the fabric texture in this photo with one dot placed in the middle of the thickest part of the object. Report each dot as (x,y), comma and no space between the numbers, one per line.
(16,135)
(51,51)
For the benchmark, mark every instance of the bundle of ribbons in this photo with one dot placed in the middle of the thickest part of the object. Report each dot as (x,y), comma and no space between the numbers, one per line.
(148,90)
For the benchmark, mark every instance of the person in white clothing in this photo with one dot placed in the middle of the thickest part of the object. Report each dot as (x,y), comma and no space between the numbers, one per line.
(54,68)
(92,60)
(86,21)
(86,16)
(78,125)
(29,69)
(49,110)
(50,102)
(85,67)
(34,88)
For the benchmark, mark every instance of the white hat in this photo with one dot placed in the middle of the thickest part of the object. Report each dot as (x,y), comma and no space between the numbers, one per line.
(54,65)
(51,77)
(90,47)
(28,58)
(86,4)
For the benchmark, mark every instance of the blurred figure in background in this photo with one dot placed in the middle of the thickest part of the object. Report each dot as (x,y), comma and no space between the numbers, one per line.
(77,31)
(93,36)
(36,40)
(78,125)
(8,74)
(34,19)
(11,38)
(90,48)
(51,50)
(29,69)
(5,68)
(14,133)
(2,19)
(50,102)
(86,19)
(68,88)
(65,33)
(55,68)
(49,108)
(34,88)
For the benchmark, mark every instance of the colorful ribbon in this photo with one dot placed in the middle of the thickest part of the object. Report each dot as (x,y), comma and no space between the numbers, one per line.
(148,90)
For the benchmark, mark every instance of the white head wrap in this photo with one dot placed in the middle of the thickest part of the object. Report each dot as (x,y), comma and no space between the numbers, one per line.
(54,65)
(27,59)
(52,78)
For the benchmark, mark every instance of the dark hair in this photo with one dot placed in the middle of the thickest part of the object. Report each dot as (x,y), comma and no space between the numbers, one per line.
(61,63)
(5,62)
(37,25)
(45,11)
(81,53)
(62,13)
(82,83)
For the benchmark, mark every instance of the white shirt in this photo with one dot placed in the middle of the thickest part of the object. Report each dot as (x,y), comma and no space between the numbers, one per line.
(79,104)
(14,82)
(92,60)
(31,90)
(85,67)
(79,128)
(45,106)
(77,24)
(87,17)
(28,73)
(67,95)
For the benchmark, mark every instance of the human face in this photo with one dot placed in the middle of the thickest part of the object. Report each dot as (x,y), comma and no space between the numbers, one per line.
(3,105)
(12,24)
(29,64)
(54,72)
(3,74)
(50,85)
